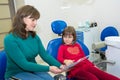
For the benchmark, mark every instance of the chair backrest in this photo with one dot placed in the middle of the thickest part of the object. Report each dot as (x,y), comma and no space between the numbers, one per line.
(58,26)
(109,31)
(3,60)
(54,44)
(84,47)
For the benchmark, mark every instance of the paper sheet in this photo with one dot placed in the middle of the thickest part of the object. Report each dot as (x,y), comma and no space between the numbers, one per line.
(75,63)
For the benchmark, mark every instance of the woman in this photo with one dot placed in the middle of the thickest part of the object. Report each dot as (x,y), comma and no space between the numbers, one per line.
(70,51)
(22,45)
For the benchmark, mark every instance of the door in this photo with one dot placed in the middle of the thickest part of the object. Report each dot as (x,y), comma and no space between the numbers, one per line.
(6,13)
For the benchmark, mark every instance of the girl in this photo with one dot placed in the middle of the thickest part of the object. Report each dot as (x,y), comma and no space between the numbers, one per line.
(70,51)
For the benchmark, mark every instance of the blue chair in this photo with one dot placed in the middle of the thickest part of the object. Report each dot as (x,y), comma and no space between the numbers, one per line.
(3,60)
(108,31)
(54,44)
(100,47)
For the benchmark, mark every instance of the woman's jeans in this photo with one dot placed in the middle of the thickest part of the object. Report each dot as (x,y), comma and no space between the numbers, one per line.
(33,76)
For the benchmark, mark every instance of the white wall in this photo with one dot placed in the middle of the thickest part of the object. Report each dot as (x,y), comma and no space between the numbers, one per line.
(104,12)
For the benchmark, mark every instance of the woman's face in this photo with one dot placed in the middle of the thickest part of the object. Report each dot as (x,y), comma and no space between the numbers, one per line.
(30,23)
(68,39)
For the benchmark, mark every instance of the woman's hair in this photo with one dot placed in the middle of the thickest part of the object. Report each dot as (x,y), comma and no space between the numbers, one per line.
(18,25)
(69,30)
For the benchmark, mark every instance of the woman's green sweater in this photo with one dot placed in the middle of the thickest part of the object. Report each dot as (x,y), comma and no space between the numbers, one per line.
(21,55)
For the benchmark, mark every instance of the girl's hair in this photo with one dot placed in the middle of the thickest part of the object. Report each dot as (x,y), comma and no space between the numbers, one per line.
(69,30)
(18,25)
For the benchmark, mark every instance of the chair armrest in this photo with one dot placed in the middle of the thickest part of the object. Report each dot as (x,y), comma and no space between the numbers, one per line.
(98,45)
(106,61)
(103,64)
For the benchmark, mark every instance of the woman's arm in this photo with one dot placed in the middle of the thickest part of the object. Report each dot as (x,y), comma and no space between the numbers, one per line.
(45,56)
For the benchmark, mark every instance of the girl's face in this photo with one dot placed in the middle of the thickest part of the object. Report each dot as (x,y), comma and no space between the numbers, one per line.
(68,39)
(30,23)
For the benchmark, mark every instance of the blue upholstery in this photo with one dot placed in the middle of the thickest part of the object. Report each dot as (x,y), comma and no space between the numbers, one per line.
(2,64)
(53,46)
(108,31)
(58,26)
(84,47)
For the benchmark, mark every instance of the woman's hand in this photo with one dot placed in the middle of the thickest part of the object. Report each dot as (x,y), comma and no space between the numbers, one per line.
(68,62)
(55,70)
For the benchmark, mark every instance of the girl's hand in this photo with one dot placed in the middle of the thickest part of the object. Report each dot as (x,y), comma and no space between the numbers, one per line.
(68,62)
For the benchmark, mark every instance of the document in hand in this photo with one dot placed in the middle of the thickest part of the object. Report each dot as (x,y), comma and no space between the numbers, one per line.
(75,63)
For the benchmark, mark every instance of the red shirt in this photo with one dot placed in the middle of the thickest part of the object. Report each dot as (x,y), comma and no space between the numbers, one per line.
(73,52)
